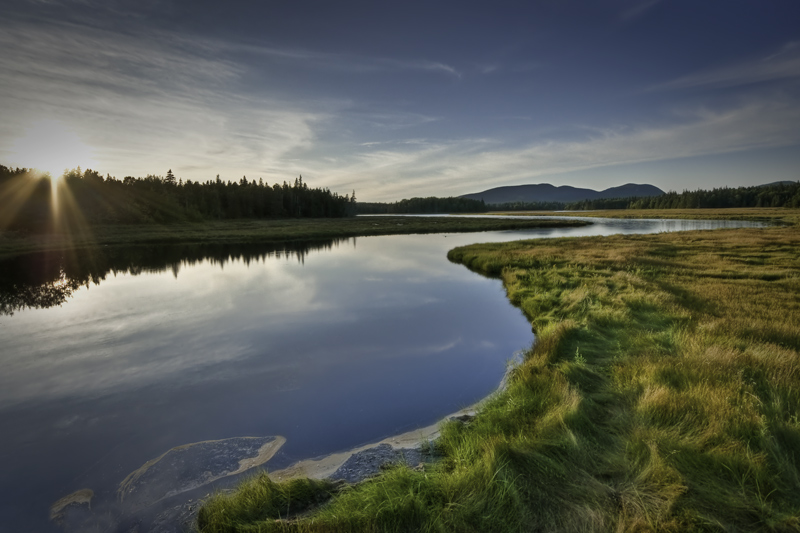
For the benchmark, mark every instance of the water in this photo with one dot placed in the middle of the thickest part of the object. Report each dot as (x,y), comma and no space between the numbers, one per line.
(113,358)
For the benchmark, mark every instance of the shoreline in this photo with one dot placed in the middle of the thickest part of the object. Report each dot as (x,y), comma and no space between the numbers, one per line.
(325,466)
(774,215)
(367,460)
(655,383)
(268,232)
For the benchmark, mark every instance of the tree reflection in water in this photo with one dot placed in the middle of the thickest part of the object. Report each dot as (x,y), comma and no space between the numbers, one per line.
(48,279)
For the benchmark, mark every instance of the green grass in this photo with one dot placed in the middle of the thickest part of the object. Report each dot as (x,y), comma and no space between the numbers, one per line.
(662,394)
(256,231)
(259,498)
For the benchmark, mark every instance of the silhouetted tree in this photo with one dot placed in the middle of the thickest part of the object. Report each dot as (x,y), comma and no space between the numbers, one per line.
(429,205)
(157,199)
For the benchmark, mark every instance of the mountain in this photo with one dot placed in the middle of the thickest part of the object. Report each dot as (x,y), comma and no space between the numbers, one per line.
(544,192)
(774,183)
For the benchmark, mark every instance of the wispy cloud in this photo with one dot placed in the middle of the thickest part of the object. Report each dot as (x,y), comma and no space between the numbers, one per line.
(785,64)
(367,117)
(791,47)
(637,10)
(145,104)
(455,168)
(338,61)
(155,101)
(433,66)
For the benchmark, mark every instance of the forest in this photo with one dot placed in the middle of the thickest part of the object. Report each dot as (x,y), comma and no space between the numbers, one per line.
(30,200)
(27,199)
(429,205)
(782,194)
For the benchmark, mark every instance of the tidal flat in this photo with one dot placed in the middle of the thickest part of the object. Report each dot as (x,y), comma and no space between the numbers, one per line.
(662,393)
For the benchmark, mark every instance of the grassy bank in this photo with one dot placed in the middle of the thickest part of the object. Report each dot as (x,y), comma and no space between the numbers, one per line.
(779,215)
(256,231)
(663,394)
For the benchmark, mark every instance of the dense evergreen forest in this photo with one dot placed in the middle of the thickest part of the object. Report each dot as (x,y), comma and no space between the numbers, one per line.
(783,194)
(529,206)
(430,205)
(27,199)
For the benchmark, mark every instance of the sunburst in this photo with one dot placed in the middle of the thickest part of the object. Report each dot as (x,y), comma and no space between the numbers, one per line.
(51,146)
(48,148)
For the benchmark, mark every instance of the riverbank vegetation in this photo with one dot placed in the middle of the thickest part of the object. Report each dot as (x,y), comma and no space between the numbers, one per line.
(662,394)
(294,231)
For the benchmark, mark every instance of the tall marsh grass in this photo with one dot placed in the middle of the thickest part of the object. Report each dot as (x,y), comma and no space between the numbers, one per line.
(662,394)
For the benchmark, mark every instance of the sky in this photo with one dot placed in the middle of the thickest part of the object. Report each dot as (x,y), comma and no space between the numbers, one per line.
(401,99)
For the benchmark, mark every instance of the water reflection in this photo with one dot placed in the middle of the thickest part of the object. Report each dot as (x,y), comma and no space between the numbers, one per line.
(48,279)
(140,350)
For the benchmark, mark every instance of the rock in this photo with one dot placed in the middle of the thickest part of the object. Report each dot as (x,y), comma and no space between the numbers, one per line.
(144,505)
(190,466)
(370,462)
(71,506)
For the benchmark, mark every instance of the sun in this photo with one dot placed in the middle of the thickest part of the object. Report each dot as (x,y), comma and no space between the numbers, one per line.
(51,146)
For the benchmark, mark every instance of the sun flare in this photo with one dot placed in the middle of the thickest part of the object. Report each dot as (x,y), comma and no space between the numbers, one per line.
(51,146)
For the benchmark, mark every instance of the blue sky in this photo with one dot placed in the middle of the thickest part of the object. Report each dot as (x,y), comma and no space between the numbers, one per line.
(401,99)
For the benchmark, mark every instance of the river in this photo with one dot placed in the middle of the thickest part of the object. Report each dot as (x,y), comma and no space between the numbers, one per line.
(112,358)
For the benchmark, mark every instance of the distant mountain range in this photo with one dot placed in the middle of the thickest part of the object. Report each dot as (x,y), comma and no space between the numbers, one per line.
(544,192)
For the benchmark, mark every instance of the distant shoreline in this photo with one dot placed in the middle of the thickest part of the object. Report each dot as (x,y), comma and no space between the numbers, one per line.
(781,215)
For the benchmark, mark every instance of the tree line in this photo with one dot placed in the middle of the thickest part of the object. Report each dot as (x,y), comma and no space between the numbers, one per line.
(30,197)
(530,206)
(429,205)
(782,194)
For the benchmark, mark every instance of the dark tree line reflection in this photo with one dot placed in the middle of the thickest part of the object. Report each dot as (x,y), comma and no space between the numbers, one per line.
(48,279)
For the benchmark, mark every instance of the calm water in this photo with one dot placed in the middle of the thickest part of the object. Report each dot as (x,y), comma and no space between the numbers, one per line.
(130,352)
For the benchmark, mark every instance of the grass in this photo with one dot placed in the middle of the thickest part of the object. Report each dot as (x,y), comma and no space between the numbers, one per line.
(259,499)
(688,388)
(254,231)
(662,394)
